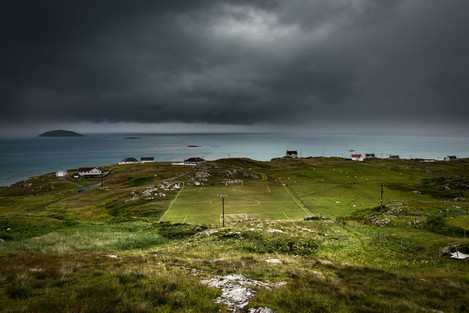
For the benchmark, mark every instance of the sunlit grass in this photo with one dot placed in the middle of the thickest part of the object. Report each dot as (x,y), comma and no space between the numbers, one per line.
(88,237)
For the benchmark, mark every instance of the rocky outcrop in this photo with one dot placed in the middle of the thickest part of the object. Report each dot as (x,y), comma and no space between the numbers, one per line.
(234,291)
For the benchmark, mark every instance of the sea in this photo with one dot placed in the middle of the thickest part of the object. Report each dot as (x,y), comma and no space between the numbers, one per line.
(21,158)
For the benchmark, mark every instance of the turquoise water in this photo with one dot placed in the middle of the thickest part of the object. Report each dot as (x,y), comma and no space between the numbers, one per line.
(26,157)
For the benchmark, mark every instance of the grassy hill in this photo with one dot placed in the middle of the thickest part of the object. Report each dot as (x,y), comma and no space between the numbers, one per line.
(145,240)
(60,133)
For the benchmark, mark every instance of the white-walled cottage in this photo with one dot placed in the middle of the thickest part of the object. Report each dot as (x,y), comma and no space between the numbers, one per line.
(61,173)
(89,171)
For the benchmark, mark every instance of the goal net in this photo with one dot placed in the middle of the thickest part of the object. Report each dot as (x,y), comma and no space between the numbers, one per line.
(234,182)
(233,218)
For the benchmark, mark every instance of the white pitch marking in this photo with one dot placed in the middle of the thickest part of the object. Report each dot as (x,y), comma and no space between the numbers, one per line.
(246,202)
(286,216)
(288,191)
(269,189)
(185,219)
(200,189)
(172,203)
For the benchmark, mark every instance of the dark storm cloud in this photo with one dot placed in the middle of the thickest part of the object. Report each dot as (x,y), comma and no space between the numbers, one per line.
(238,62)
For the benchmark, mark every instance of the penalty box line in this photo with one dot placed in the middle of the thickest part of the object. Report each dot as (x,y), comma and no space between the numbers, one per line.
(235,214)
(171,205)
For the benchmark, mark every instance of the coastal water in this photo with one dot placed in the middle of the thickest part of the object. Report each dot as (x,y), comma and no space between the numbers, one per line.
(25,157)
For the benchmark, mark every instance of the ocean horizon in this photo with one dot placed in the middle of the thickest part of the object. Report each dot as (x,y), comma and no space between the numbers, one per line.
(22,158)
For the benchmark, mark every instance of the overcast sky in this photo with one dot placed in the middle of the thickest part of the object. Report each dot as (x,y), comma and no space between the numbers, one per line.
(305,64)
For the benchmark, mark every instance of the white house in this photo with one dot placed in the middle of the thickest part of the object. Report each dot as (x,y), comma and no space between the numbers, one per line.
(356,157)
(147,159)
(370,156)
(89,171)
(450,158)
(61,173)
(292,154)
(128,161)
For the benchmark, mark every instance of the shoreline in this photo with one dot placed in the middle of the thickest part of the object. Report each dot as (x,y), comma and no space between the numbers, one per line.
(26,177)
(25,158)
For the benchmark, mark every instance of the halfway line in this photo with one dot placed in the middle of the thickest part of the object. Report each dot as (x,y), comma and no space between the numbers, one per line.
(171,204)
(288,191)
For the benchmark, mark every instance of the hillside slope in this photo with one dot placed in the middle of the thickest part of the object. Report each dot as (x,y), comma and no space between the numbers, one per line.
(104,250)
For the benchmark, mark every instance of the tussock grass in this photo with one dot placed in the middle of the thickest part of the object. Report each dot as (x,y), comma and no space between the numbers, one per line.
(92,283)
(19,286)
(89,237)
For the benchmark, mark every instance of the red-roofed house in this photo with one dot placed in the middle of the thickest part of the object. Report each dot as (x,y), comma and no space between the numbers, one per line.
(357,157)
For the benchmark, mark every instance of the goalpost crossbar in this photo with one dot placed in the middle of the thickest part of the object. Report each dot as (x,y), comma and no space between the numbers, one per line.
(233,217)
(237,182)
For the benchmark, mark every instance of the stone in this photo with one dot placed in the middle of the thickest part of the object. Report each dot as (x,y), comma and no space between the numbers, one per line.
(305,229)
(274,261)
(318,274)
(273,230)
(261,310)
(234,292)
(208,232)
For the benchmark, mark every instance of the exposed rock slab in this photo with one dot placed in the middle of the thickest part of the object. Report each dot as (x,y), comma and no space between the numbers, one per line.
(234,291)
(274,261)
(261,310)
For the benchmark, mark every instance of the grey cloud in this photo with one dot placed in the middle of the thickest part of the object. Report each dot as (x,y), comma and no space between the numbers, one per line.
(238,62)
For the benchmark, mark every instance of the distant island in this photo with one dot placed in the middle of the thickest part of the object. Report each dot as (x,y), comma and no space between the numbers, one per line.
(60,133)
(133,138)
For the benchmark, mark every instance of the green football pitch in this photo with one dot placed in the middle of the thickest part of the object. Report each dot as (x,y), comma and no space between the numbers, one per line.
(203,205)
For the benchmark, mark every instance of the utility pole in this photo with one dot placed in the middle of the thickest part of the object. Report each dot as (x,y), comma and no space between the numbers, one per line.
(467,223)
(222,196)
(381,202)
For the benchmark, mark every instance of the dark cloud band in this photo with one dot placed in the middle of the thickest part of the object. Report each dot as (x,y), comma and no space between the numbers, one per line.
(234,62)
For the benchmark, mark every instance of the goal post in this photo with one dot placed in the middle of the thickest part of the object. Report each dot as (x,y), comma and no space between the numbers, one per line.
(180,182)
(234,182)
(233,218)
